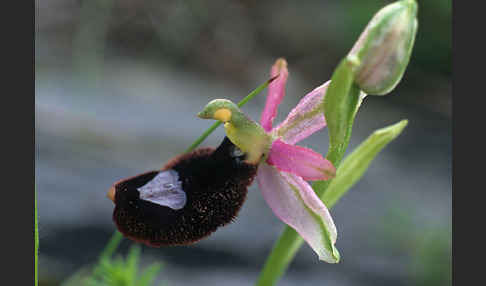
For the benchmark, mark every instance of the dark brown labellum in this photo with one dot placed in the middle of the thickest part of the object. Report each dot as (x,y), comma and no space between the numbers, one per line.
(210,189)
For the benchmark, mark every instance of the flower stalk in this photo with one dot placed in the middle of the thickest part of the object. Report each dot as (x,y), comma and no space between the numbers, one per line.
(348,173)
(382,51)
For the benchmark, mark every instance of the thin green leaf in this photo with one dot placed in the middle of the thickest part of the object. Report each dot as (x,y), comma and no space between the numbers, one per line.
(148,276)
(336,154)
(290,241)
(111,246)
(354,165)
(131,265)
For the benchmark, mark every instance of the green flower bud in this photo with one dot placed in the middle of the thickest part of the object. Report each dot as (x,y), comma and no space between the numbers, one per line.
(383,49)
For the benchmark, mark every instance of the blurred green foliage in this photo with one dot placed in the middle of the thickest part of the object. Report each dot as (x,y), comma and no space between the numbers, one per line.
(432,259)
(116,271)
(427,245)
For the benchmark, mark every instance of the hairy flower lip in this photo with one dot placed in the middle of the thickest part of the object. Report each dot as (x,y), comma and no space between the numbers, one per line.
(215,182)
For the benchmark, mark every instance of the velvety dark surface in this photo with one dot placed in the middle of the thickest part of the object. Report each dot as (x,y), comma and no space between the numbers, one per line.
(215,183)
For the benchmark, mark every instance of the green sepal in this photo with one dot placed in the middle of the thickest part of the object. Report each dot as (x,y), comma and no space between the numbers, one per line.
(340,104)
(356,163)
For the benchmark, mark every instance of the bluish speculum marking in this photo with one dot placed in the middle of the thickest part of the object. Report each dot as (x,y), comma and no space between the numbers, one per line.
(165,189)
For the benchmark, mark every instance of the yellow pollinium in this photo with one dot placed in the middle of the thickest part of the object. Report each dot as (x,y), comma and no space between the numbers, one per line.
(223,114)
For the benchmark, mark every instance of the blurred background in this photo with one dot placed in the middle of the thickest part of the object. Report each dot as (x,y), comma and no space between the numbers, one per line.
(118,86)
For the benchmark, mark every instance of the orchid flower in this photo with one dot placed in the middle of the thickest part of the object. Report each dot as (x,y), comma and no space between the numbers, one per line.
(284,168)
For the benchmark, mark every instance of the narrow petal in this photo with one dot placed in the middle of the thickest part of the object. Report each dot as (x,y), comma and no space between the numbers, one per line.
(276,92)
(306,118)
(294,202)
(300,161)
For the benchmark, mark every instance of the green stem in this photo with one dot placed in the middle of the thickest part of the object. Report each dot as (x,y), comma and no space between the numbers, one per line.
(282,254)
(112,245)
(203,136)
(36,242)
